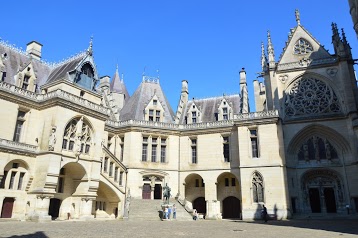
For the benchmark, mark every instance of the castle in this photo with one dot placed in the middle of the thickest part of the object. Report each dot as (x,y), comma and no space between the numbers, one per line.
(77,145)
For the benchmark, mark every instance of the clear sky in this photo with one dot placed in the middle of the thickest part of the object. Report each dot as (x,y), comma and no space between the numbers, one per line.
(206,42)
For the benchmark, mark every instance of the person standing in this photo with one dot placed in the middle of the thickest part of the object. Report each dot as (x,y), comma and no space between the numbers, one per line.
(169,212)
(264,213)
(174,212)
(195,215)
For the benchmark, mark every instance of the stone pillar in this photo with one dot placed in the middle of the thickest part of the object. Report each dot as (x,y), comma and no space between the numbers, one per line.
(86,209)
(211,199)
(41,208)
(1,203)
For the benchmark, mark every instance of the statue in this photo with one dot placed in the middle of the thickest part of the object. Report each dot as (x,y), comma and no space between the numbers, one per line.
(79,127)
(52,139)
(166,193)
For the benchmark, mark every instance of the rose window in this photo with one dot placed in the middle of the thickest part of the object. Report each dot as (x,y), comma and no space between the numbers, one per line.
(302,47)
(310,96)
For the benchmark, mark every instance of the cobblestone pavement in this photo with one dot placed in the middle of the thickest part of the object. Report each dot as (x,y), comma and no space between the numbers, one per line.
(197,229)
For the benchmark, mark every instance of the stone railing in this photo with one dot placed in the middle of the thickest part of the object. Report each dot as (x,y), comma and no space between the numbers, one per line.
(18,146)
(35,97)
(204,125)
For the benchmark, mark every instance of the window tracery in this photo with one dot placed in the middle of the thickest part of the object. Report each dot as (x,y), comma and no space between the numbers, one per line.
(74,135)
(311,96)
(302,46)
(257,187)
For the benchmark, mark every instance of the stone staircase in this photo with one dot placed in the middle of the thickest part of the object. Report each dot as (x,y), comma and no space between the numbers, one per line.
(149,210)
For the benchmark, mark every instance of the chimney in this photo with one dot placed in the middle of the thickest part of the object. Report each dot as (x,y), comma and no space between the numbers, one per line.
(34,50)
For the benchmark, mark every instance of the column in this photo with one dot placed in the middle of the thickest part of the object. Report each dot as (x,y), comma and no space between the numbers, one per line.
(86,208)
(41,208)
(1,203)
(211,199)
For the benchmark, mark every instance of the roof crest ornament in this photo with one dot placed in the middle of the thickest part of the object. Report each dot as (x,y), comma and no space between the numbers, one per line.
(270,50)
(297,14)
(90,48)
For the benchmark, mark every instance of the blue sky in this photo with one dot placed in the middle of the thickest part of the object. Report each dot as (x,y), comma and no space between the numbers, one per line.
(206,42)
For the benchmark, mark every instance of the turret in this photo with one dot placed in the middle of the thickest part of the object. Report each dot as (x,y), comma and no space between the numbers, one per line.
(244,92)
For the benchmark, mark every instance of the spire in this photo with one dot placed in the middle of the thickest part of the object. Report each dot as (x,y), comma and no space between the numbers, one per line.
(89,50)
(263,57)
(297,14)
(344,39)
(270,50)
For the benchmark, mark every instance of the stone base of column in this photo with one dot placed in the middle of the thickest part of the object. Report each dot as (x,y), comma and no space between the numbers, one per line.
(87,217)
(39,218)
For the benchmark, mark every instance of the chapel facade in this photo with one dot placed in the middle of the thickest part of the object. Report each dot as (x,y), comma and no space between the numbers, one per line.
(77,145)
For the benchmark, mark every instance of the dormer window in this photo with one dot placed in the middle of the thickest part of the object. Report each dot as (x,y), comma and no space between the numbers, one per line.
(151,113)
(157,115)
(87,70)
(25,82)
(193,117)
(155,102)
(225,114)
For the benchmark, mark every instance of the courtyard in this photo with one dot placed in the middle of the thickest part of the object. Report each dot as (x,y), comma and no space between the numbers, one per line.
(201,228)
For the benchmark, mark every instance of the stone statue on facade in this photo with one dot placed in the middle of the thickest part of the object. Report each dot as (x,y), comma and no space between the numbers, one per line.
(52,139)
(166,193)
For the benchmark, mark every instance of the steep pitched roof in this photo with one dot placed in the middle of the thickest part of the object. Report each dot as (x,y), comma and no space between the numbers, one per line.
(134,107)
(209,107)
(16,60)
(62,69)
(117,85)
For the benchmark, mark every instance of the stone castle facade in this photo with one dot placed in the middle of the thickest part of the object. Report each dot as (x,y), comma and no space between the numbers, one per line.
(77,145)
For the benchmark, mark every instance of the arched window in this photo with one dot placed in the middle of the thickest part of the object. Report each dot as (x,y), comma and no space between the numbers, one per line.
(77,132)
(87,70)
(316,148)
(257,188)
(15,176)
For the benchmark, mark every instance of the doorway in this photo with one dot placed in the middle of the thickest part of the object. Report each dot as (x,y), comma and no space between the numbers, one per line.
(7,207)
(146,191)
(330,200)
(231,208)
(200,205)
(54,208)
(315,200)
(158,191)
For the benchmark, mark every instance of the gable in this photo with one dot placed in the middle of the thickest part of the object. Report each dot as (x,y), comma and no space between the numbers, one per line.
(302,45)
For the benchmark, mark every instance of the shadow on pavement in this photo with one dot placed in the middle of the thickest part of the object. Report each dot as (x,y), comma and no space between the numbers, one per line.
(38,234)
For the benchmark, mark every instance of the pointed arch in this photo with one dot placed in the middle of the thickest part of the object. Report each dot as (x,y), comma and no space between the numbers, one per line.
(78,135)
(334,137)
(258,187)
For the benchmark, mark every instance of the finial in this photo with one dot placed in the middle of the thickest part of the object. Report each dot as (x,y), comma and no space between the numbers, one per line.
(263,57)
(89,50)
(158,73)
(297,14)
(270,50)
(117,68)
(122,78)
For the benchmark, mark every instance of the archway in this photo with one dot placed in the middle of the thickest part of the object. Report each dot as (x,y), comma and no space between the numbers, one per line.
(322,191)
(200,205)
(231,208)
(54,208)
(107,204)
(194,187)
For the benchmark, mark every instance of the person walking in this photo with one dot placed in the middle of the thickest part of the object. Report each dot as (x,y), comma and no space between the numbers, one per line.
(195,215)
(264,213)
(174,212)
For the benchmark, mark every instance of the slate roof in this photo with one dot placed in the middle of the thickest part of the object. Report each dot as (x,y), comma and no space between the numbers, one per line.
(134,107)
(209,107)
(61,71)
(17,60)
(117,86)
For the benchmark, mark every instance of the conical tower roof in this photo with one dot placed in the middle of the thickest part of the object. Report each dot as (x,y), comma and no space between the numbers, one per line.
(117,85)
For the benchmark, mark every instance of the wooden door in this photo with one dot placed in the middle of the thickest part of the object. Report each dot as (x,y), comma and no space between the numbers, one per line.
(330,200)
(315,200)
(7,207)
(231,207)
(158,191)
(200,205)
(146,191)
(54,208)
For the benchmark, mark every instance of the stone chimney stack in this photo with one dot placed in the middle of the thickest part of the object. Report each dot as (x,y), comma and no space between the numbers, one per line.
(34,49)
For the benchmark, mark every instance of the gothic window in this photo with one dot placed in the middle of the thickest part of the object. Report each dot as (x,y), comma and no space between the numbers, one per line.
(302,46)
(316,148)
(257,188)
(144,148)
(77,129)
(193,117)
(310,96)
(163,150)
(154,149)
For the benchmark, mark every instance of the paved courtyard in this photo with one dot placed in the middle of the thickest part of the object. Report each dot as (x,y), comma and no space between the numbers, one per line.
(201,228)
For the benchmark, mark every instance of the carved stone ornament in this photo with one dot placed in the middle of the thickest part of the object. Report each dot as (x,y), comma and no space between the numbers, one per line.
(283,78)
(310,96)
(305,62)
(332,71)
